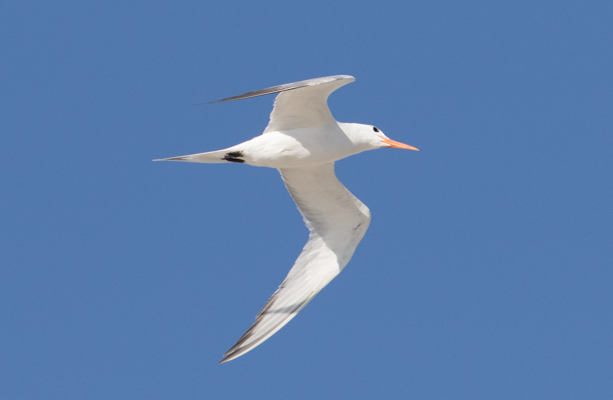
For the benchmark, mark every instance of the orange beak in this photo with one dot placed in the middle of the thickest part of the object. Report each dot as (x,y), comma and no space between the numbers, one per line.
(398,145)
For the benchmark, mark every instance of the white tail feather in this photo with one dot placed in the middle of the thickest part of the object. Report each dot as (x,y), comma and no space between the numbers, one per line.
(209,157)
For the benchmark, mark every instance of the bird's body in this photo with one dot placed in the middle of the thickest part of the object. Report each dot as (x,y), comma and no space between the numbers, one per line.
(289,149)
(303,141)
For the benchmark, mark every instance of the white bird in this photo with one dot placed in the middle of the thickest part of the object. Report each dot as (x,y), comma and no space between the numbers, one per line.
(303,140)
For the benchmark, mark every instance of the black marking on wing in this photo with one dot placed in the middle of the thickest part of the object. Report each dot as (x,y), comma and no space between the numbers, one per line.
(237,350)
(285,87)
(233,156)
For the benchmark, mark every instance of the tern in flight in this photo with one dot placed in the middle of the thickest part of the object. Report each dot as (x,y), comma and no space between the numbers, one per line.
(303,140)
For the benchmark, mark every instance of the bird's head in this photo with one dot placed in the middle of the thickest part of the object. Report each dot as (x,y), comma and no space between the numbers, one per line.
(369,137)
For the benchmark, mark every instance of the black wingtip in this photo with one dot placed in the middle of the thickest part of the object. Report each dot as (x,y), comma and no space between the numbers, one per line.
(209,102)
(283,88)
(227,357)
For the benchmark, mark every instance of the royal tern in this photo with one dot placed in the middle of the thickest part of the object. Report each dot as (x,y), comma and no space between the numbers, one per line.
(303,140)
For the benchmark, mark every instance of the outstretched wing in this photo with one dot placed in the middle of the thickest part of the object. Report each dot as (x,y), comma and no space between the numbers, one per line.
(301,104)
(337,221)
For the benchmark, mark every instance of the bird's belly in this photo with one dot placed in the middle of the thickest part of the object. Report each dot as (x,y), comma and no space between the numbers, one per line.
(294,149)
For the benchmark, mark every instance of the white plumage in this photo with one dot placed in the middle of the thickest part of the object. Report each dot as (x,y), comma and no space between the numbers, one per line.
(303,140)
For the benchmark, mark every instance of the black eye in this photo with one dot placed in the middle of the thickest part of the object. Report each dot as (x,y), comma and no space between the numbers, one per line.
(374,128)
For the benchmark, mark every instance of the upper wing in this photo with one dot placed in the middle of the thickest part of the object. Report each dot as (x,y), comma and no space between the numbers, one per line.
(300,104)
(337,221)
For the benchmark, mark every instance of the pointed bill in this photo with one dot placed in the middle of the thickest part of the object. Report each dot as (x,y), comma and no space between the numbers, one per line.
(398,145)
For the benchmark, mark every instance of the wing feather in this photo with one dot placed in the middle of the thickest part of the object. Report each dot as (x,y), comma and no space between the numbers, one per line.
(300,104)
(337,222)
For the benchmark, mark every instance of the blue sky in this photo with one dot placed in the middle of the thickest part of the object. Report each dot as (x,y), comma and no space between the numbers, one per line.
(486,271)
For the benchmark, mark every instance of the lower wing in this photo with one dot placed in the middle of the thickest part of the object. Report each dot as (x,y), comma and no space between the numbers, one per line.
(337,221)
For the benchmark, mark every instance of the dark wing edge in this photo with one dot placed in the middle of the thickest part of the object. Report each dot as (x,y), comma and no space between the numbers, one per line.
(290,312)
(285,87)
